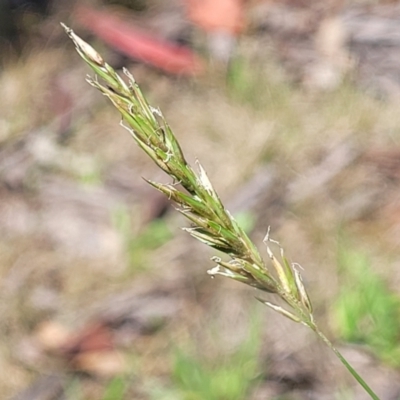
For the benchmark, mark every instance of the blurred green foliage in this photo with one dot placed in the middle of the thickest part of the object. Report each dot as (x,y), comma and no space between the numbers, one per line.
(139,246)
(223,378)
(366,311)
(115,390)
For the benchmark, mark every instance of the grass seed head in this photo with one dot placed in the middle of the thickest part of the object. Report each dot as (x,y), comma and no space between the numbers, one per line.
(211,222)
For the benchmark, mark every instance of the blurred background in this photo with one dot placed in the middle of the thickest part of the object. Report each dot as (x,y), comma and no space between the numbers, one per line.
(292,108)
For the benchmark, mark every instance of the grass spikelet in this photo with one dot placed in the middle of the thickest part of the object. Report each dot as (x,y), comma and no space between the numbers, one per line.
(210,222)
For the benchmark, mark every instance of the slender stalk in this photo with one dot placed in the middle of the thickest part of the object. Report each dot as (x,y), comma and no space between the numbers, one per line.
(345,363)
(210,222)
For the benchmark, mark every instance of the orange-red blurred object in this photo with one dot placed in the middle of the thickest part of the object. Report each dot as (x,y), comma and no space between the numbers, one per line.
(217,15)
(135,43)
(94,337)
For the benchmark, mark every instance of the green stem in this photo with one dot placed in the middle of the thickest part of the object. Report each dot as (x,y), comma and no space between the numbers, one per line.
(345,363)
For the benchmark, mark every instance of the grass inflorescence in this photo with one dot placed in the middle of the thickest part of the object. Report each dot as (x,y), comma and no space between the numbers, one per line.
(197,200)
